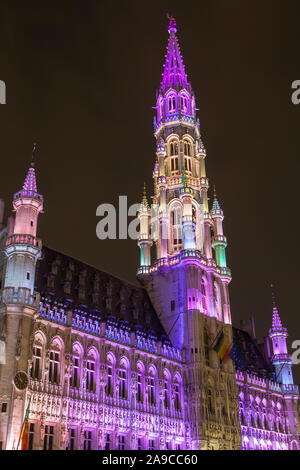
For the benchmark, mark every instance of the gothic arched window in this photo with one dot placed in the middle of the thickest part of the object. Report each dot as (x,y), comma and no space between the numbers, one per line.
(54,367)
(90,373)
(110,375)
(76,365)
(173,148)
(172,104)
(176,229)
(184,103)
(187,148)
(123,375)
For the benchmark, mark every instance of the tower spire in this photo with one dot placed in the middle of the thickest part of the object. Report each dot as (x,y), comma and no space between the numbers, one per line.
(174,72)
(144,198)
(276,321)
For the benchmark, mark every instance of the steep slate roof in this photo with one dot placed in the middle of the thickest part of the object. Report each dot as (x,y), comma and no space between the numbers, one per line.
(65,280)
(253,358)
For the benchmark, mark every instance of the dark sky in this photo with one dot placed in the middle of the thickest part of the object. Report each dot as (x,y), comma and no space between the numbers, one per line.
(81,80)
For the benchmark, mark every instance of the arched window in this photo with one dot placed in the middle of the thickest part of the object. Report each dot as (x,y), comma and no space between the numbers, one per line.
(177,394)
(217,298)
(159,108)
(184,103)
(76,362)
(38,356)
(54,367)
(123,378)
(151,387)
(172,104)
(91,371)
(176,228)
(187,148)
(188,164)
(110,375)
(210,406)
(140,382)
(173,148)
(167,379)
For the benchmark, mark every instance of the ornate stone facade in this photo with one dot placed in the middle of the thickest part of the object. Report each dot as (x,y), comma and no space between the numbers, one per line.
(98,363)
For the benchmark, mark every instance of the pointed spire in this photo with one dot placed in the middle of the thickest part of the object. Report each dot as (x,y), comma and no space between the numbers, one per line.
(144,198)
(216,206)
(174,71)
(276,321)
(30,180)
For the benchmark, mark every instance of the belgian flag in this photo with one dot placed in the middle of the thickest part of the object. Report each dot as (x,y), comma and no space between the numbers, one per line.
(222,347)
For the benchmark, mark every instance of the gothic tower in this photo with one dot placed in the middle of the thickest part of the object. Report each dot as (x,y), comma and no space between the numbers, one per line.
(188,278)
(283,363)
(18,306)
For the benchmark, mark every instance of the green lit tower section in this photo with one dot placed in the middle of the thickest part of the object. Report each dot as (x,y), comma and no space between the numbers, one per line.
(219,241)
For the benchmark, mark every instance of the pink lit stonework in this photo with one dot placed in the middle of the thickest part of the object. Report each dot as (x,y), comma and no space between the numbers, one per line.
(104,364)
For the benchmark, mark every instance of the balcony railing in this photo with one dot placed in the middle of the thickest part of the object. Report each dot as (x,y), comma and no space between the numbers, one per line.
(22,295)
(21,239)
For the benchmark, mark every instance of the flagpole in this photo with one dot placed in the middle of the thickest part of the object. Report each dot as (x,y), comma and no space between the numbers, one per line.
(23,425)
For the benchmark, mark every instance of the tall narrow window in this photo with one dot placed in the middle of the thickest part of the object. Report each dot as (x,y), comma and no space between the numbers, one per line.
(177,397)
(90,375)
(122,375)
(176,229)
(203,292)
(173,148)
(140,443)
(36,364)
(87,442)
(75,372)
(174,166)
(107,442)
(151,384)
(48,437)
(139,388)
(183,102)
(151,444)
(31,436)
(187,148)
(188,164)
(110,372)
(72,439)
(172,104)
(54,367)
(166,394)
(121,443)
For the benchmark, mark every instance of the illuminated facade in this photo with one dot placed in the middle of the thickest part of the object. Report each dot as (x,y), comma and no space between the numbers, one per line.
(100,363)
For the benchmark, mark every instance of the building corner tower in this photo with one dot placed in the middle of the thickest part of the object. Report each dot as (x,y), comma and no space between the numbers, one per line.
(18,307)
(188,280)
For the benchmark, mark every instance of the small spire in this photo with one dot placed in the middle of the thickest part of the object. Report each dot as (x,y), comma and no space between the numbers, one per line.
(30,180)
(276,321)
(144,199)
(216,206)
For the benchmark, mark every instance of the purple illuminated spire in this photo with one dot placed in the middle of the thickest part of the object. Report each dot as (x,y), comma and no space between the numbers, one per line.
(174,73)
(30,180)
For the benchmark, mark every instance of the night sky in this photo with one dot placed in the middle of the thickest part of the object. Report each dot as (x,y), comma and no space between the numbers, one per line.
(81,79)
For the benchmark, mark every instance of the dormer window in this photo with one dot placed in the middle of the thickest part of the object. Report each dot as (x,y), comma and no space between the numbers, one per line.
(184,104)
(172,104)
